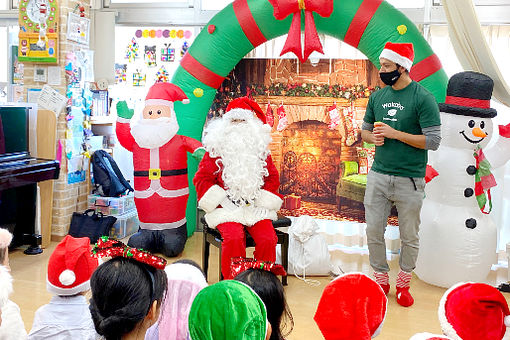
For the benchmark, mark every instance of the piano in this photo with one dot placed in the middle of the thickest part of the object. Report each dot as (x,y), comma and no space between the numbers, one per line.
(19,175)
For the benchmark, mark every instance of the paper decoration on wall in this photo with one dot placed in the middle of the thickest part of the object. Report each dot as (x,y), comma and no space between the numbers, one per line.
(184,48)
(162,75)
(150,56)
(120,73)
(78,28)
(132,50)
(38,34)
(167,53)
(138,78)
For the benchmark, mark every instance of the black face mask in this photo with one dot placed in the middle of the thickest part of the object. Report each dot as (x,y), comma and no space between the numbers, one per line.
(389,78)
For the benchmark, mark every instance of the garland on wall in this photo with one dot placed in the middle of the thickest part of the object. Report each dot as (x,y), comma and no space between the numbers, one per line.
(313,90)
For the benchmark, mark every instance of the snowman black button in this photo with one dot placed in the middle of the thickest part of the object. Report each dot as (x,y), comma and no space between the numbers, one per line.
(468,192)
(471,170)
(471,223)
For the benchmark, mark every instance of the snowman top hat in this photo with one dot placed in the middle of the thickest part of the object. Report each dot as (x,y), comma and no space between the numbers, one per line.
(469,94)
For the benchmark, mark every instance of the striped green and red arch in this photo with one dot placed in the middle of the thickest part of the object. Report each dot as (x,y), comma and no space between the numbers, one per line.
(245,24)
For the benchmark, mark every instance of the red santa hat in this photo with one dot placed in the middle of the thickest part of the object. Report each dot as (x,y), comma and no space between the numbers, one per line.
(353,306)
(165,94)
(474,311)
(247,104)
(400,53)
(70,267)
(429,336)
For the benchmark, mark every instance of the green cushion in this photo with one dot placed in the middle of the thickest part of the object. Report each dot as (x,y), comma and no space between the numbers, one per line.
(368,145)
(357,179)
(350,168)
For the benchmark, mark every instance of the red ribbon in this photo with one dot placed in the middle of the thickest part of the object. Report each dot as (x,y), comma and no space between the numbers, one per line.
(240,264)
(461,101)
(284,8)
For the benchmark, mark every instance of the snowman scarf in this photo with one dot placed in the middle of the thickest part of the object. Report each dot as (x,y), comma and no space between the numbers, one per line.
(484,180)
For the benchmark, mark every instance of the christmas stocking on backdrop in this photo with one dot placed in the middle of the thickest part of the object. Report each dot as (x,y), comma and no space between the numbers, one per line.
(334,116)
(269,115)
(350,124)
(282,118)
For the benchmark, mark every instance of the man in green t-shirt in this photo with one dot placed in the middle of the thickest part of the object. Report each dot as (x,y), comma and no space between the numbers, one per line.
(402,120)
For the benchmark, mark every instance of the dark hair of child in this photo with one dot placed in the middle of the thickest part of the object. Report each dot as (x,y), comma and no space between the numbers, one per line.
(123,291)
(270,290)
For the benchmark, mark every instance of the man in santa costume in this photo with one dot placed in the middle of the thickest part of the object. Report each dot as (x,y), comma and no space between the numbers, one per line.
(160,169)
(237,182)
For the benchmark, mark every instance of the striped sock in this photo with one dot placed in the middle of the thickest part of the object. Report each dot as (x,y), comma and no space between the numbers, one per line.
(403,279)
(383,279)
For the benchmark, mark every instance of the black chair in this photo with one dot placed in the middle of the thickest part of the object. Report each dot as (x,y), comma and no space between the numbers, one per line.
(213,236)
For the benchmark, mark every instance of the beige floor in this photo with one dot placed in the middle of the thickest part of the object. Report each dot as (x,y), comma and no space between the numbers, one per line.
(30,293)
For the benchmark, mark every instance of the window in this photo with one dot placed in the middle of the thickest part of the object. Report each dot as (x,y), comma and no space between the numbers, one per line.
(217,5)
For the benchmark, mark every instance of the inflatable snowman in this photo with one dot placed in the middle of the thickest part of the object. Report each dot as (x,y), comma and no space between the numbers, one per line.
(458,238)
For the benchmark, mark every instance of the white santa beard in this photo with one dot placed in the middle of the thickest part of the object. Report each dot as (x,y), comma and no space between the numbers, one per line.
(243,149)
(154,133)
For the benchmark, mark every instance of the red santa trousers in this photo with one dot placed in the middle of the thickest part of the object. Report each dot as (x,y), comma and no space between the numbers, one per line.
(234,243)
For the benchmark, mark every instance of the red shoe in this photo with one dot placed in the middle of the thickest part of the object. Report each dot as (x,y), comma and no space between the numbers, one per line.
(404,298)
(385,288)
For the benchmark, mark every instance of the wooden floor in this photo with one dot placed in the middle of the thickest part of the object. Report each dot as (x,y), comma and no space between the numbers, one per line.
(30,293)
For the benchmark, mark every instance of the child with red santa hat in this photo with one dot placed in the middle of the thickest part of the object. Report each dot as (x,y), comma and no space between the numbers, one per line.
(160,169)
(237,182)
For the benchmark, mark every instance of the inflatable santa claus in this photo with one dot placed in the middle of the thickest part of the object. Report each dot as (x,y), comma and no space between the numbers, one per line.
(160,169)
(237,182)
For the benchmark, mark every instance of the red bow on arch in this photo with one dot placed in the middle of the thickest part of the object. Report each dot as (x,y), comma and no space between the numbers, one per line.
(283,8)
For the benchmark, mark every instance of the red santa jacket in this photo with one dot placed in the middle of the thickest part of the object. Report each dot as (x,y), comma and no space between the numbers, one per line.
(153,165)
(211,192)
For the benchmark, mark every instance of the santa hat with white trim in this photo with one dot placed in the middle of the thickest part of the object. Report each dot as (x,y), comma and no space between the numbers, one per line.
(244,106)
(165,94)
(353,306)
(400,53)
(429,336)
(474,311)
(70,267)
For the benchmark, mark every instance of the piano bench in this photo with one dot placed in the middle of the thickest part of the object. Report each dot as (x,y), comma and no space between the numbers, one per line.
(213,236)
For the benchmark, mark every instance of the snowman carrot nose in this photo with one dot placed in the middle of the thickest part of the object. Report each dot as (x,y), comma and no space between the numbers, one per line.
(477,132)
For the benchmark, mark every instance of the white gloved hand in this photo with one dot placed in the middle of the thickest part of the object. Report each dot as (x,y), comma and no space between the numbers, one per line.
(228,204)
(261,213)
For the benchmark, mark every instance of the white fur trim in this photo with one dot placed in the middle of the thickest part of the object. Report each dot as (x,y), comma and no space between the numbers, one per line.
(427,336)
(445,325)
(5,238)
(397,58)
(268,200)
(239,114)
(507,320)
(5,285)
(67,291)
(185,101)
(67,277)
(212,198)
(243,215)
(123,120)
(151,102)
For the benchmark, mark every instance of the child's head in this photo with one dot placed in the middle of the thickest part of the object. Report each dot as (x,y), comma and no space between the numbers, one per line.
(472,311)
(70,267)
(185,280)
(126,296)
(228,310)
(5,241)
(353,306)
(269,288)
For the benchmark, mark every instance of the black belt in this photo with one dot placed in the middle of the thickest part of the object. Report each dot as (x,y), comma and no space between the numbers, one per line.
(158,173)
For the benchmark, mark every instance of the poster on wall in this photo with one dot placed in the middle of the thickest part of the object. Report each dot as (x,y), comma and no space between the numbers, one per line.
(78,29)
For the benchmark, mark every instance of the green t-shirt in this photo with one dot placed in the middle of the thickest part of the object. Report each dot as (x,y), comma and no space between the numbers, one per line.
(409,110)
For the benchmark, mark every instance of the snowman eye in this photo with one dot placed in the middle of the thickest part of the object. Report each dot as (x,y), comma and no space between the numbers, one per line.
(150,112)
(159,112)
(482,125)
(471,124)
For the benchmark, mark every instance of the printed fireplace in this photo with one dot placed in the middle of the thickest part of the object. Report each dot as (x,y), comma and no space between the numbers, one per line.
(310,161)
